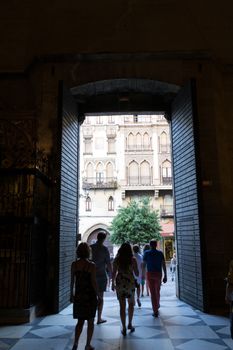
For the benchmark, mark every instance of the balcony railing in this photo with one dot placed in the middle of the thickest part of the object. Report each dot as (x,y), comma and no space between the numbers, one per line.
(138,148)
(93,182)
(167,180)
(166,210)
(139,181)
(164,148)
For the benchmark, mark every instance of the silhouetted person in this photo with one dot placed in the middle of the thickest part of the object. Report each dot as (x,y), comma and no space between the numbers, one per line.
(138,279)
(229,286)
(83,294)
(173,266)
(229,294)
(144,275)
(154,261)
(123,280)
(101,258)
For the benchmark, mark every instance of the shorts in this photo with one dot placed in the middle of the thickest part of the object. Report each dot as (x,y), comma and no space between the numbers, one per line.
(101,284)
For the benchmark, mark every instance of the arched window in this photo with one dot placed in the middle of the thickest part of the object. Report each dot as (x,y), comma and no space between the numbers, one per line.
(166,173)
(138,141)
(145,173)
(110,203)
(99,173)
(146,141)
(133,173)
(88,203)
(130,141)
(109,171)
(163,143)
(89,171)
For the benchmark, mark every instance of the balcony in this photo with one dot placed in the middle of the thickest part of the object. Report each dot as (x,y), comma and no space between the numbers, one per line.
(164,148)
(167,180)
(138,148)
(139,181)
(99,183)
(166,211)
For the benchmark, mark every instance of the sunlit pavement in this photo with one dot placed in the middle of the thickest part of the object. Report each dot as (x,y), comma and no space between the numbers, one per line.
(178,326)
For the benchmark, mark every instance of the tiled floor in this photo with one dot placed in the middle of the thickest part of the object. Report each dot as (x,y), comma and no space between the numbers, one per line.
(178,327)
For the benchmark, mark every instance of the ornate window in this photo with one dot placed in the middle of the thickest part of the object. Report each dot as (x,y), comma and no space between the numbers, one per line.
(130,142)
(166,173)
(146,141)
(163,145)
(109,171)
(110,203)
(89,170)
(145,173)
(138,141)
(88,203)
(133,173)
(99,173)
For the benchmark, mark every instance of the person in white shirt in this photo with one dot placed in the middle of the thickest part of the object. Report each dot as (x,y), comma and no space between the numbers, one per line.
(138,279)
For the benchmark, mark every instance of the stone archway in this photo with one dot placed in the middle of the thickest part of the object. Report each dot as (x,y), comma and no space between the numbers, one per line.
(90,236)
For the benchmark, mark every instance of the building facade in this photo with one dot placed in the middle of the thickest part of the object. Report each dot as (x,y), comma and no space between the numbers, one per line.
(125,157)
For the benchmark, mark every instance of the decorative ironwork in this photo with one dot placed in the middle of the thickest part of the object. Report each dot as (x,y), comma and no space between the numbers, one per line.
(92,182)
(167,180)
(138,148)
(17,143)
(18,147)
(140,181)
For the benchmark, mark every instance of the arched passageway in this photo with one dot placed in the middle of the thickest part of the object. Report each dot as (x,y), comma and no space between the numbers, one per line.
(124,95)
(93,237)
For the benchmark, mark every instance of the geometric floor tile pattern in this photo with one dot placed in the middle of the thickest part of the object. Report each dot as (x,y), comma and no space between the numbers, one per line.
(178,327)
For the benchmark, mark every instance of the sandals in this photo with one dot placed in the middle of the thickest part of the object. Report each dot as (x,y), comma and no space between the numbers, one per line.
(101,321)
(123,332)
(131,328)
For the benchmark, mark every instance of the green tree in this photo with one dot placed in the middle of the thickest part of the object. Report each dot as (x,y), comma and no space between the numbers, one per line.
(137,223)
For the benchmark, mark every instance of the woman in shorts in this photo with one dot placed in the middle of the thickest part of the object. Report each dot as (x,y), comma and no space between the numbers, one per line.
(123,281)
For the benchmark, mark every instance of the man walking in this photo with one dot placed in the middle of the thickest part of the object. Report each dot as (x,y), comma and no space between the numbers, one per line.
(101,258)
(154,260)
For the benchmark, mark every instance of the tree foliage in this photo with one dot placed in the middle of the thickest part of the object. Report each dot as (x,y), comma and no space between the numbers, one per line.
(137,223)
